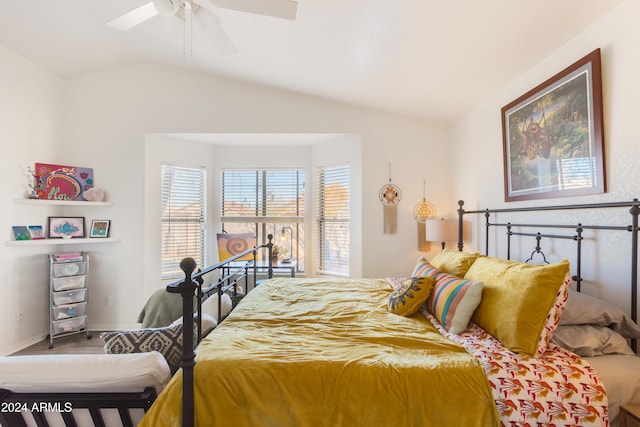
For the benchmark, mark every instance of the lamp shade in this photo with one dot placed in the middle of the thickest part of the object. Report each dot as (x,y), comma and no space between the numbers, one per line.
(441,230)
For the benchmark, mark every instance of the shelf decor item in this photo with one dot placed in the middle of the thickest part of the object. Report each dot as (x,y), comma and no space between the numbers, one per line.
(36,232)
(57,182)
(20,232)
(100,228)
(66,227)
(553,138)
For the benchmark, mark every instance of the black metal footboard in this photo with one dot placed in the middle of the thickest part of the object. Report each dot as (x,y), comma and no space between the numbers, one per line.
(232,272)
(15,406)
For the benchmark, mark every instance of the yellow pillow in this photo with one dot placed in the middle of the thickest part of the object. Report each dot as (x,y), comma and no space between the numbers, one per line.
(516,299)
(454,262)
(411,295)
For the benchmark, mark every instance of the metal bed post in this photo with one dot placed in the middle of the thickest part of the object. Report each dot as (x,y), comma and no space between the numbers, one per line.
(187,290)
(578,277)
(509,234)
(460,224)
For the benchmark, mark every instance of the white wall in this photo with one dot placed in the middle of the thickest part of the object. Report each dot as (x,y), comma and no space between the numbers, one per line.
(107,120)
(478,141)
(29,130)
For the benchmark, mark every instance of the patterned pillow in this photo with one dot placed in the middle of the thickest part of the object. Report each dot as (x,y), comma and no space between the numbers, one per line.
(410,296)
(553,319)
(453,301)
(167,341)
(424,268)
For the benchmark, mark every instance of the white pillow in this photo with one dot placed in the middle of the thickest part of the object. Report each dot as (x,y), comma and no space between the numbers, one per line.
(210,306)
(81,373)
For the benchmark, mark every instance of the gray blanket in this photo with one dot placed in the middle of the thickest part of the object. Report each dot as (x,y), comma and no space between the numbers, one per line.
(161,309)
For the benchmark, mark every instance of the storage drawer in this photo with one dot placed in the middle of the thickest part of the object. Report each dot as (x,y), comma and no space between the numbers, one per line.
(69,268)
(69,310)
(69,325)
(69,297)
(69,282)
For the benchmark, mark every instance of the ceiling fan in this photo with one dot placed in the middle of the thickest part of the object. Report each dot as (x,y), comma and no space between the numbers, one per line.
(203,12)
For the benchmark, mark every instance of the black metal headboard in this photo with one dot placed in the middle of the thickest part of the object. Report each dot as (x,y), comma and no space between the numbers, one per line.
(571,232)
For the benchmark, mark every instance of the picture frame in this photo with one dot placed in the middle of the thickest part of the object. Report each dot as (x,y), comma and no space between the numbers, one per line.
(67,227)
(36,232)
(552,136)
(100,228)
(21,232)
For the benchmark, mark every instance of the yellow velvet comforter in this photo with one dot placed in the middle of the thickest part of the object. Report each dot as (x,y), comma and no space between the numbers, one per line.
(316,352)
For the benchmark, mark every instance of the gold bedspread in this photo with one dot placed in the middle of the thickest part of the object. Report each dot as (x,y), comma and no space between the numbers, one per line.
(317,352)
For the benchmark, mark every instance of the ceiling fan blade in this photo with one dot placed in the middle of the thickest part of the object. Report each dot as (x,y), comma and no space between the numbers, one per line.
(209,24)
(135,17)
(285,9)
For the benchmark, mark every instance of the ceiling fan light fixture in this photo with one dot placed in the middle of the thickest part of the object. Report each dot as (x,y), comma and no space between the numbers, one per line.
(167,8)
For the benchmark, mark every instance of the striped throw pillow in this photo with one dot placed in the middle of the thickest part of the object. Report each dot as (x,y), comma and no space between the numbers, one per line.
(453,301)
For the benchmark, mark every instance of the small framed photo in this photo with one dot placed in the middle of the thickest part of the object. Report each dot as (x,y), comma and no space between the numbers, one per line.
(20,232)
(100,228)
(66,227)
(36,232)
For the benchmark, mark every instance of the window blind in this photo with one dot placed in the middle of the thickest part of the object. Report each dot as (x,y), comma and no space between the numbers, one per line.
(264,201)
(259,195)
(183,217)
(333,221)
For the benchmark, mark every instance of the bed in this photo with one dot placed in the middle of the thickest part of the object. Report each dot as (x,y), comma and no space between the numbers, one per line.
(480,349)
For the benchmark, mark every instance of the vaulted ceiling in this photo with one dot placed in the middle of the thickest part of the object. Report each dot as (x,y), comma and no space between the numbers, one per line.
(428,58)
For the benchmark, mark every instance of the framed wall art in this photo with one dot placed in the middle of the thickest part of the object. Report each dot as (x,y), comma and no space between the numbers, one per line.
(20,232)
(36,232)
(100,228)
(57,182)
(553,138)
(65,227)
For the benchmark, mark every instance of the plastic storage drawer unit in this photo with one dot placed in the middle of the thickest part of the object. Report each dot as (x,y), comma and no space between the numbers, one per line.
(69,297)
(72,324)
(69,282)
(69,310)
(69,268)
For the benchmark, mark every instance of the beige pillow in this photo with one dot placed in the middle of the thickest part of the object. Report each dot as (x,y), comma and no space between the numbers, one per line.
(516,300)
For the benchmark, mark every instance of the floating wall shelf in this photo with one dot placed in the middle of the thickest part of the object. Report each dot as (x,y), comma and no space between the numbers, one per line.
(61,202)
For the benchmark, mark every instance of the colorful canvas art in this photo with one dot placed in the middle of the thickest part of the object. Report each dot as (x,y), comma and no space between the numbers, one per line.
(36,232)
(57,182)
(230,244)
(20,232)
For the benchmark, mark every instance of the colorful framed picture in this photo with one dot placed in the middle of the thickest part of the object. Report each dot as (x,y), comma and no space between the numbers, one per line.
(66,227)
(553,138)
(36,232)
(230,244)
(100,228)
(57,182)
(20,232)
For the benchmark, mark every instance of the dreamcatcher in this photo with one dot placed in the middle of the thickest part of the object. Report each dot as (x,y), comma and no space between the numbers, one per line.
(390,196)
(421,212)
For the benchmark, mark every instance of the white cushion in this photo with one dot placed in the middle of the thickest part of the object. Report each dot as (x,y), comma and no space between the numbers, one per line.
(84,372)
(210,306)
